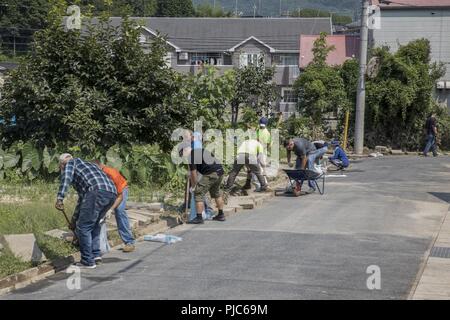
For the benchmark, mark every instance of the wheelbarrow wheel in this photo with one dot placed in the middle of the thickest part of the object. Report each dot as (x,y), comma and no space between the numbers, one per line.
(297,190)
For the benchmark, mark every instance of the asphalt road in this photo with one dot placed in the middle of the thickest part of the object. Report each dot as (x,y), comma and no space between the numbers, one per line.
(385,212)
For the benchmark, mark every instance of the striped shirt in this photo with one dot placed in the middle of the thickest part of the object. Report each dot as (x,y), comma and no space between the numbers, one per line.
(84,177)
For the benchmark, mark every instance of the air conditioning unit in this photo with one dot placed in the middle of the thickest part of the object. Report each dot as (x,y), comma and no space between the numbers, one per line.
(183,56)
(440,85)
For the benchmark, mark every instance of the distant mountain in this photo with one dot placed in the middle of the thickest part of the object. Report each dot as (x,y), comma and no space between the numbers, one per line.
(272,7)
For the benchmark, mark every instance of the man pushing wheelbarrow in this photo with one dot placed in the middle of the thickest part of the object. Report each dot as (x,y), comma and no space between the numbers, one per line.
(307,155)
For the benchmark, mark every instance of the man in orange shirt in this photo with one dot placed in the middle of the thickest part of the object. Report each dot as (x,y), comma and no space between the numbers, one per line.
(123,224)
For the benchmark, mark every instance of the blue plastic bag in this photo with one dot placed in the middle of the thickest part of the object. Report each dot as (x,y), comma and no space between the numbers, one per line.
(207,215)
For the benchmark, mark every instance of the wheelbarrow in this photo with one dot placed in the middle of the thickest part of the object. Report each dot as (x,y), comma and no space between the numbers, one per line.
(298,176)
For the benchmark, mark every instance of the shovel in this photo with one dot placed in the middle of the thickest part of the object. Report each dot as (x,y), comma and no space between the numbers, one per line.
(69,224)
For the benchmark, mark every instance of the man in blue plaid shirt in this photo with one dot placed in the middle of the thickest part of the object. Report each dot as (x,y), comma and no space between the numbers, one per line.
(96,194)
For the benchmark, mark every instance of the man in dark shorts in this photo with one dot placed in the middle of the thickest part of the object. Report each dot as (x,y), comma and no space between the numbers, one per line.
(203,162)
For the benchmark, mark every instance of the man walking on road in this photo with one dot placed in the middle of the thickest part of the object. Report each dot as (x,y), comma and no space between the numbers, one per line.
(431,131)
(96,194)
(123,223)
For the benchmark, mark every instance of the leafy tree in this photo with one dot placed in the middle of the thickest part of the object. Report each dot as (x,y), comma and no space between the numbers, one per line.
(349,72)
(320,87)
(141,8)
(401,96)
(175,8)
(19,19)
(93,90)
(314,13)
(207,10)
(211,95)
(254,87)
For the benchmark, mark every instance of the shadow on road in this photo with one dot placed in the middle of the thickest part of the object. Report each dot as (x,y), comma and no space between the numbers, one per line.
(445,196)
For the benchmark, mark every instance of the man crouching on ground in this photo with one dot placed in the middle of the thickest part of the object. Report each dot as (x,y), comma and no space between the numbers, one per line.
(96,194)
(202,161)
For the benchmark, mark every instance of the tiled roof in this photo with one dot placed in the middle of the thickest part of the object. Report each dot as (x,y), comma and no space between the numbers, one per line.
(222,34)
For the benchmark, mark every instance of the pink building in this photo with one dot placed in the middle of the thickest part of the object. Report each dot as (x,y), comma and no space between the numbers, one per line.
(346,47)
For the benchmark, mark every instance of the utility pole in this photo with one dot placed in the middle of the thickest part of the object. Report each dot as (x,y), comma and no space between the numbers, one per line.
(280,9)
(361,90)
(235,9)
(254,11)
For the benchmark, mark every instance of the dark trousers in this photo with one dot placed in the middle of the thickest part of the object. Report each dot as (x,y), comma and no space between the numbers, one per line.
(93,208)
(251,162)
(431,145)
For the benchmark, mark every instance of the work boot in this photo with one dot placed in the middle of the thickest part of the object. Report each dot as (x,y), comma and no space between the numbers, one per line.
(197,220)
(128,248)
(219,217)
(247,185)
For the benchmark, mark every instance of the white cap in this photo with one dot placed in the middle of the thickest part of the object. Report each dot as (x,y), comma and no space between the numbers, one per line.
(64,156)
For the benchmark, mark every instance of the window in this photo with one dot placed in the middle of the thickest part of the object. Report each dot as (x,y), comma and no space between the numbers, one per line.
(250,58)
(209,58)
(289,96)
(286,59)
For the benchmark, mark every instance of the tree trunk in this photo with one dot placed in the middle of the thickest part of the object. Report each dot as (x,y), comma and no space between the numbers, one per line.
(234,114)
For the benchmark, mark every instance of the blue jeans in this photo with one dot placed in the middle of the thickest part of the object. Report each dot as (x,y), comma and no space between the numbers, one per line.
(431,144)
(123,224)
(312,157)
(93,208)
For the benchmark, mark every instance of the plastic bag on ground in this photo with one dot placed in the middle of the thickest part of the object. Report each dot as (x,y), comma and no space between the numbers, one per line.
(104,244)
(165,238)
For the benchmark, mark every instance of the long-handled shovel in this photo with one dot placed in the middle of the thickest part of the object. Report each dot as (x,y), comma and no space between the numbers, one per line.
(69,224)
(185,216)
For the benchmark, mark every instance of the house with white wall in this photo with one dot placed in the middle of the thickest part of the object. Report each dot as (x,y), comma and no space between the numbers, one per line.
(229,43)
(403,21)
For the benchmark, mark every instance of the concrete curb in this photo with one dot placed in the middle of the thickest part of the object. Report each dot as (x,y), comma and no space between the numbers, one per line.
(426,257)
(27,277)
(30,276)
(22,279)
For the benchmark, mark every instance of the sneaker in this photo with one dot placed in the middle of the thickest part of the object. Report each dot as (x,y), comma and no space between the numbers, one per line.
(219,217)
(196,220)
(128,248)
(98,260)
(85,266)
